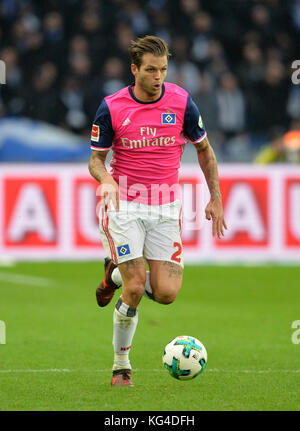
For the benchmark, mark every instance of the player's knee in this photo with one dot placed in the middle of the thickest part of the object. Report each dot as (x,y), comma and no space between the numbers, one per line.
(138,289)
(136,286)
(165,293)
(165,298)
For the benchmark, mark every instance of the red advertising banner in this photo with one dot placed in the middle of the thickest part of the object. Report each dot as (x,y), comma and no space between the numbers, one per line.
(49,212)
(85,225)
(292,211)
(30,212)
(245,202)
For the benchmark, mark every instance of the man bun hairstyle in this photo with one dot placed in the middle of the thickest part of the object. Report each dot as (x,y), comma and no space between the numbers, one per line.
(148,44)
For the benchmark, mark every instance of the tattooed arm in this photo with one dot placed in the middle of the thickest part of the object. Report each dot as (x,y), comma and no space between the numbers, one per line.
(208,163)
(97,165)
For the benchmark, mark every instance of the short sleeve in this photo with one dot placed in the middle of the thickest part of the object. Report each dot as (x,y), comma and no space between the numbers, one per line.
(102,132)
(193,127)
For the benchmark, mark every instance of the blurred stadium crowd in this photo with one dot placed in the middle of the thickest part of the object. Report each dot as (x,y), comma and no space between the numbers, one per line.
(233,56)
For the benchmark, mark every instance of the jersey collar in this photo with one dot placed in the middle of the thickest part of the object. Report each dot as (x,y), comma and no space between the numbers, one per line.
(146,103)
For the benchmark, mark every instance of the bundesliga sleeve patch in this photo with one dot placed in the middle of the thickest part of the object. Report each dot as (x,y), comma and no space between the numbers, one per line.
(95,133)
(168,118)
(200,122)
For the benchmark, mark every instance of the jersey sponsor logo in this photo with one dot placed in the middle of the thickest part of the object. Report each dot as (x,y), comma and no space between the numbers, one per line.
(151,142)
(168,118)
(126,122)
(123,250)
(200,122)
(95,133)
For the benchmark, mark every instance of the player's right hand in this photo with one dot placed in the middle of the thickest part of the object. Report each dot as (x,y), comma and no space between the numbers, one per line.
(109,193)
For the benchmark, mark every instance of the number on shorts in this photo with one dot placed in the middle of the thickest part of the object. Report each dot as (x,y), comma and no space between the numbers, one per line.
(177,252)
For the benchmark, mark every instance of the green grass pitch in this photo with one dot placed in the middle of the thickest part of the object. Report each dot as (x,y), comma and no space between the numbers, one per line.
(58,351)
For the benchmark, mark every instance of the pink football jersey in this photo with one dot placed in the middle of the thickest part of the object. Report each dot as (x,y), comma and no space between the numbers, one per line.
(147,139)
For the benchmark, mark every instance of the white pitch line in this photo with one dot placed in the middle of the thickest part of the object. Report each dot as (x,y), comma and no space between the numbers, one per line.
(215,370)
(6,261)
(212,370)
(21,279)
(50,370)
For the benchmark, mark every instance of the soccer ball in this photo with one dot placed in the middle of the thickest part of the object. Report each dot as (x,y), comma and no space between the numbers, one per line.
(185,357)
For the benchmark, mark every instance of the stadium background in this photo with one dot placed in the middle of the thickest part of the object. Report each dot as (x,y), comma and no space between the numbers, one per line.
(235,58)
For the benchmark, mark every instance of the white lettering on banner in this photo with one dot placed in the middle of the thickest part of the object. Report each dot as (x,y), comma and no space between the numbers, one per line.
(31,214)
(244,214)
(87,221)
(294,210)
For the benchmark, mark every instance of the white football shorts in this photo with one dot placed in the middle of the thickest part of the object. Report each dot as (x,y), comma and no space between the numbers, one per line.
(136,230)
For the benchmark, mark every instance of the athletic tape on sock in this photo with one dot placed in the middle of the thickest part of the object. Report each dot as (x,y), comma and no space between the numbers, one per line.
(125,309)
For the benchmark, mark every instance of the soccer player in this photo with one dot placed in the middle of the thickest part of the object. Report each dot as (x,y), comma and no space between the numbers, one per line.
(146,125)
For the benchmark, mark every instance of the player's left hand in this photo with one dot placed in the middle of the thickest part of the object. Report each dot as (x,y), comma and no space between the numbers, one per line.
(214,212)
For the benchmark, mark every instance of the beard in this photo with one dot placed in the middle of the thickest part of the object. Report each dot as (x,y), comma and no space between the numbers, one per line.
(148,88)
